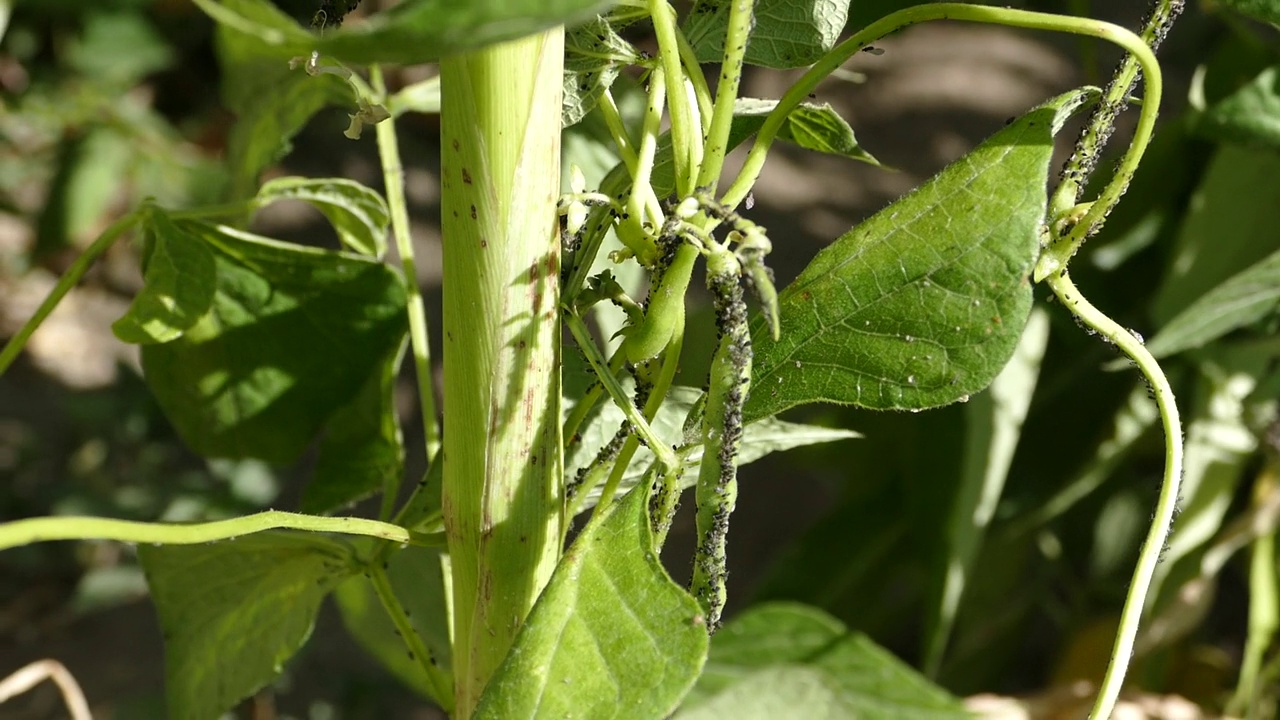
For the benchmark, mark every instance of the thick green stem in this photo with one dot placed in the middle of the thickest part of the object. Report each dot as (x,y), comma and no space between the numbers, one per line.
(503,458)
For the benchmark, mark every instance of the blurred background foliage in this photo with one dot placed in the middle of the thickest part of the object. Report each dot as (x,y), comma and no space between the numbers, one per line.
(1038,520)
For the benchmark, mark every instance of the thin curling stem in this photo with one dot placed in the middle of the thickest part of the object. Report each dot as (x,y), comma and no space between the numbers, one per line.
(1166,504)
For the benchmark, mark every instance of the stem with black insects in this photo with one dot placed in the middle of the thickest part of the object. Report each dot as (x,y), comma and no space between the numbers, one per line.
(717,487)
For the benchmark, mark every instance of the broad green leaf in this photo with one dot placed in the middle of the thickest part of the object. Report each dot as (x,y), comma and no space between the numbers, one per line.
(760,438)
(418,582)
(1228,227)
(993,424)
(922,304)
(179,284)
(812,126)
(292,336)
(411,32)
(594,55)
(1250,115)
(788,660)
(234,612)
(1268,10)
(611,636)
(420,31)
(362,451)
(786,33)
(1242,300)
(358,213)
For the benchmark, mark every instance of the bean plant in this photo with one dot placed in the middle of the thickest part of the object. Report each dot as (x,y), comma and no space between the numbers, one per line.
(520,576)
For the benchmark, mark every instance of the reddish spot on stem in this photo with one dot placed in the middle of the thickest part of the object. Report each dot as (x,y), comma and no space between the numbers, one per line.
(473,212)
(455,144)
(466,176)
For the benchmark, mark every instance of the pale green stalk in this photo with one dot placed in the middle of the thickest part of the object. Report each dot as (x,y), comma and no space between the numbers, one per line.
(639,423)
(657,395)
(69,280)
(503,455)
(1264,604)
(69,527)
(393,179)
(1166,504)
(686,145)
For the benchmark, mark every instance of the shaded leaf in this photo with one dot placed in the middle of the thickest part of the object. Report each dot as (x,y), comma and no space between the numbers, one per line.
(788,660)
(417,580)
(271,100)
(358,213)
(922,304)
(1268,10)
(1228,227)
(362,451)
(1239,301)
(1250,115)
(993,425)
(179,279)
(234,612)
(611,636)
(786,34)
(292,335)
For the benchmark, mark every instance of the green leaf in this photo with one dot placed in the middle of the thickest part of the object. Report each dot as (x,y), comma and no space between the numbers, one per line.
(787,660)
(1228,227)
(421,31)
(594,55)
(180,276)
(268,25)
(760,438)
(234,612)
(1250,115)
(292,336)
(420,97)
(418,582)
(1241,300)
(611,636)
(363,450)
(358,213)
(787,33)
(922,304)
(1268,10)
(812,126)
(993,425)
